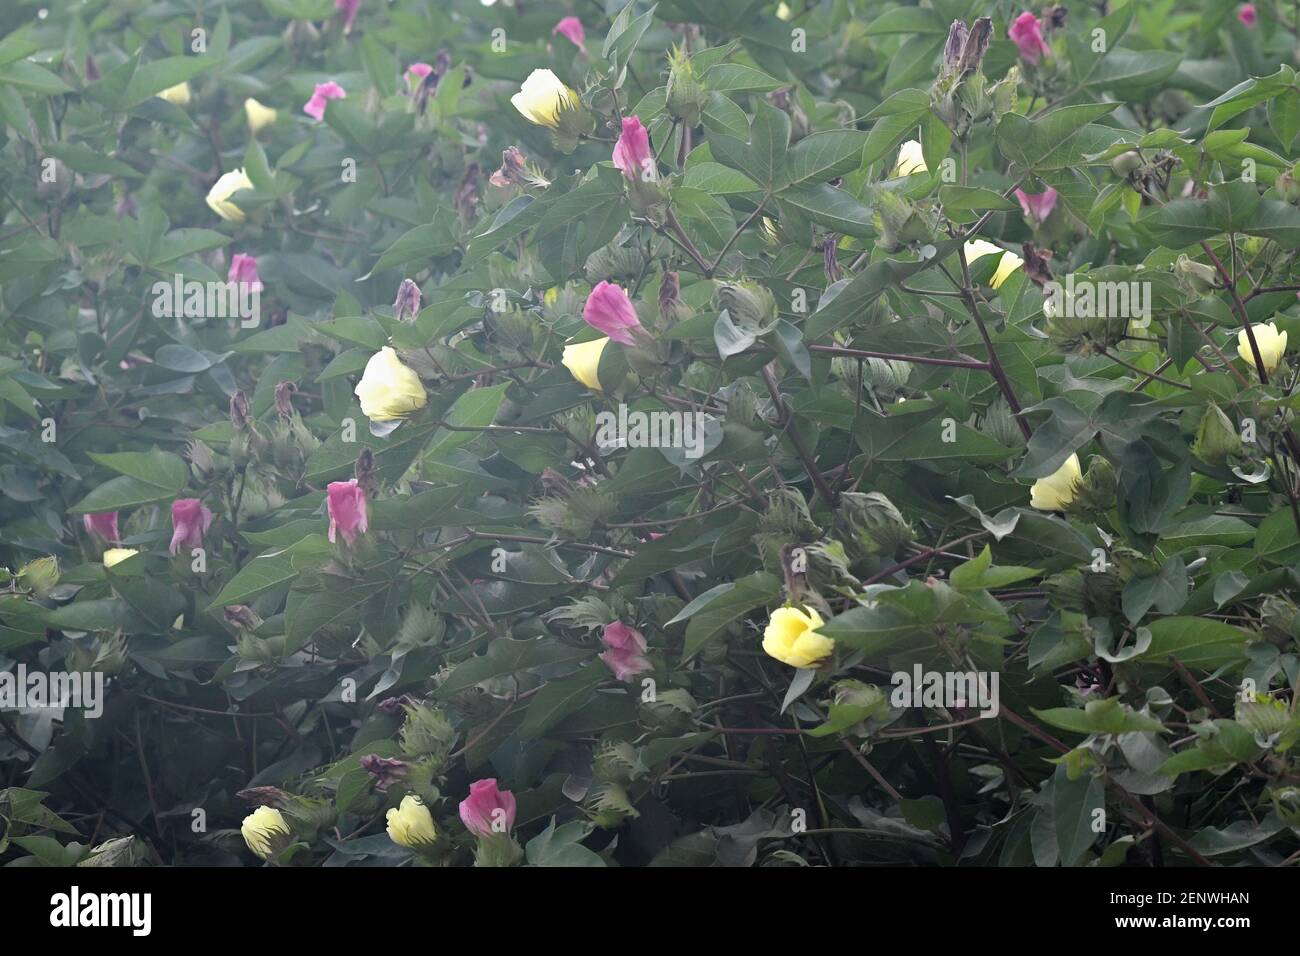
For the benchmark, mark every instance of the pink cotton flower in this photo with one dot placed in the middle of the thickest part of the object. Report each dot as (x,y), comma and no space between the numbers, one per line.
(315,107)
(244,269)
(102,525)
(1027,32)
(625,654)
(571,27)
(488,810)
(415,74)
(1246,14)
(632,152)
(1037,207)
(349,10)
(609,310)
(347,508)
(190,522)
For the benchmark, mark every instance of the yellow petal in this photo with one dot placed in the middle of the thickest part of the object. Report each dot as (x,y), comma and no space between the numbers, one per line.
(583,361)
(389,389)
(1010,263)
(178,94)
(259,116)
(911,159)
(1058,489)
(117,555)
(540,98)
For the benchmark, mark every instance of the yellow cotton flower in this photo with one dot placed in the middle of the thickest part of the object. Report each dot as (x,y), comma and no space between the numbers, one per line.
(541,98)
(1271,342)
(117,555)
(1009,264)
(388,389)
(783,11)
(265,831)
(583,361)
(259,116)
(1058,489)
(178,94)
(910,159)
(411,824)
(225,187)
(791,637)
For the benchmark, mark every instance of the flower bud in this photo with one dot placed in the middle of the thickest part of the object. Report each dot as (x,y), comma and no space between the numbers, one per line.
(685,96)
(346,503)
(426,732)
(877,524)
(239,416)
(516,171)
(1126,163)
(411,824)
(748,303)
(266,832)
(1096,492)
(1217,439)
(1288,185)
(488,810)
(39,576)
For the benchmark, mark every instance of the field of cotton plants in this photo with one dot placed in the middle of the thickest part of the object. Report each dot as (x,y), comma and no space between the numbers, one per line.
(825,433)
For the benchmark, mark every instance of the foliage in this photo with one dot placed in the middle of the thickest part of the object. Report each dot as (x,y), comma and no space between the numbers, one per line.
(985,340)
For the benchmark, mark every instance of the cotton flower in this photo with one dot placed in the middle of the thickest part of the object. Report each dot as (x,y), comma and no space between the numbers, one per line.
(1271,342)
(1059,489)
(1246,14)
(389,390)
(117,555)
(407,304)
(542,97)
(1037,207)
(190,522)
(102,525)
(911,159)
(1009,263)
(265,831)
(411,824)
(346,503)
(243,269)
(609,310)
(219,195)
(791,637)
(1027,33)
(571,27)
(259,116)
(488,809)
(632,153)
(582,359)
(415,74)
(178,94)
(315,107)
(625,651)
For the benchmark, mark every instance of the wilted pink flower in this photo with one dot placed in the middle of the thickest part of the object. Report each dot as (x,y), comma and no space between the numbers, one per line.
(315,107)
(244,269)
(102,525)
(407,304)
(488,810)
(571,27)
(349,10)
(609,310)
(632,151)
(415,73)
(386,770)
(1246,14)
(1037,207)
(625,654)
(347,508)
(1027,32)
(190,521)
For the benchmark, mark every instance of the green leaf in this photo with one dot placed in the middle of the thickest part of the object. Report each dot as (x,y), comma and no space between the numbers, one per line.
(715,609)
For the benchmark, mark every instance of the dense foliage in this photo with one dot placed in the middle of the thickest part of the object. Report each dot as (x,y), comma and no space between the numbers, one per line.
(562,433)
